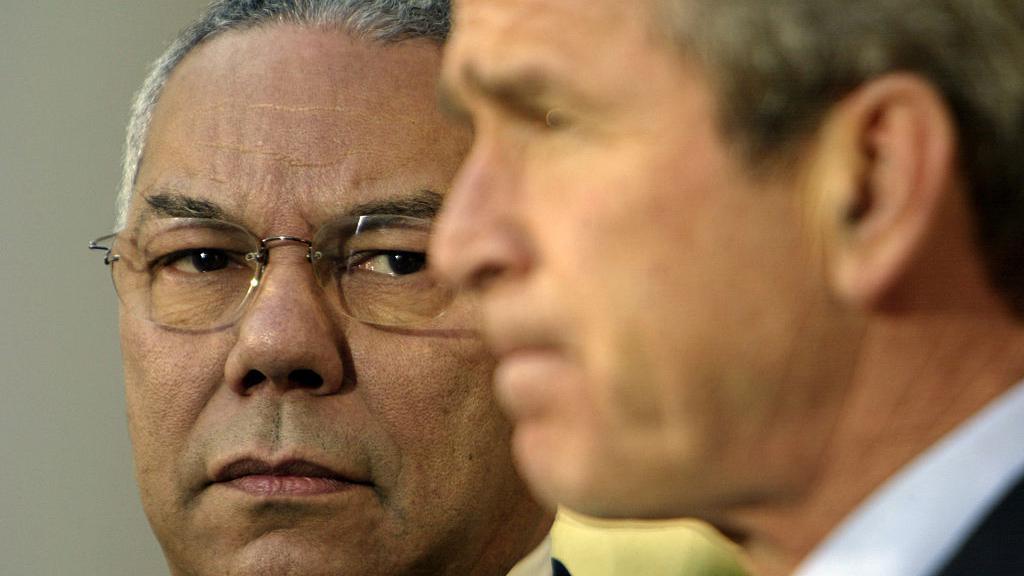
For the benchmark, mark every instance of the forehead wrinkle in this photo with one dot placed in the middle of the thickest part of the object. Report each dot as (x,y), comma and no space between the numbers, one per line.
(297,109)
(228,104)
(316,136)
(254,136)
(288,160)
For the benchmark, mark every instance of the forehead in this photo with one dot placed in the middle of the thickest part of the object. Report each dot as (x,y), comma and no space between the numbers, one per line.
(303,121)
(558,20)
(566,30)
(590,52)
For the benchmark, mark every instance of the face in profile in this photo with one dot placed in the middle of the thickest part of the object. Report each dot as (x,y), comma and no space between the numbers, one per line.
(290,438)
(647,296)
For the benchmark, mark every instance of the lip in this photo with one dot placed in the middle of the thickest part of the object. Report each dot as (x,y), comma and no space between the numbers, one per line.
(509,334)
(291,478)
(529,382)
(534,358)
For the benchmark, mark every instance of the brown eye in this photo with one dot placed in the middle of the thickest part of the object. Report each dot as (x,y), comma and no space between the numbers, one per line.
(394,263)
(199,260)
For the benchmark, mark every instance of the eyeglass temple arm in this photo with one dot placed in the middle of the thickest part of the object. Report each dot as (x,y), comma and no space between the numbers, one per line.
(100,244)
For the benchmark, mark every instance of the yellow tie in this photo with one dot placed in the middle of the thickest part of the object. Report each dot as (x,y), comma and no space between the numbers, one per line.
(594,547)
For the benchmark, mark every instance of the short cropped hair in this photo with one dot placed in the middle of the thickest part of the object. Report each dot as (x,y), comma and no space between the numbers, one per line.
(380,20)
(779,66)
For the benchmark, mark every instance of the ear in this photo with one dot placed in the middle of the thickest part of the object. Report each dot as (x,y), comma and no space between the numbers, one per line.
(885,164)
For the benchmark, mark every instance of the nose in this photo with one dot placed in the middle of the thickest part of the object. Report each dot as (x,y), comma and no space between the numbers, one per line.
(478,238)
(289,339)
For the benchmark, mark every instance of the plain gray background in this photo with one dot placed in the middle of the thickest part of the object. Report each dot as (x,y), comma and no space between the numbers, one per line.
(68,503)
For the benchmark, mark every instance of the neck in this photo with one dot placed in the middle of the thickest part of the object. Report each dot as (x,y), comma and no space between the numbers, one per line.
(918,378)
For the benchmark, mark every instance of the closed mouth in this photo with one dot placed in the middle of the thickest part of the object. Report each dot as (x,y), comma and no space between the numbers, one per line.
(288,478)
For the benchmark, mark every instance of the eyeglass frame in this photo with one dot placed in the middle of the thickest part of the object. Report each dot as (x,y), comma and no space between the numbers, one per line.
(262,258)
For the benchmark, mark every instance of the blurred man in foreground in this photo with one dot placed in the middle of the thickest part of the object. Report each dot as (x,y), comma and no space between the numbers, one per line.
(303,397)
(758,262)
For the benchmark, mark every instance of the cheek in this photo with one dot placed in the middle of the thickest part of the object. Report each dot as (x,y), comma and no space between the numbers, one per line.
(168,379)
(686,267)
(433,399)
(421,387)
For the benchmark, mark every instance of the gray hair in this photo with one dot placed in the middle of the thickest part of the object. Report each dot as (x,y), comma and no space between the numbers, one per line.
(779,66)
(379,20)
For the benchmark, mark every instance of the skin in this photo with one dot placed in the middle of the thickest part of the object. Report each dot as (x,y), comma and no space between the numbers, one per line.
(406,416)
(680,334)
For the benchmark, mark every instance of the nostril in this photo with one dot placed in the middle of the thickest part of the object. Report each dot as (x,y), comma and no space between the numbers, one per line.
(252,378)
(304,378)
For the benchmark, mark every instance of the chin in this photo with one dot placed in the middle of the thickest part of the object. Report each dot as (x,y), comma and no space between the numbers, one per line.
(600,479)
(282,561)
(287,565)
(275,553)
(562,469)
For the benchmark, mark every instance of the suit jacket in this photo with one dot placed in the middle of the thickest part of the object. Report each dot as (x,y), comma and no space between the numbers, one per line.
(996,547)
(558,569)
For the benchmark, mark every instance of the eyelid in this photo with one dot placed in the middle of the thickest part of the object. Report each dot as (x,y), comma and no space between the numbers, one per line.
(527,110)
(517,104)
(541,107)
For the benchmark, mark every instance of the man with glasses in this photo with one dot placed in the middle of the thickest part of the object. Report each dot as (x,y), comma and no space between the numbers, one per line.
(304,396)
(756,261)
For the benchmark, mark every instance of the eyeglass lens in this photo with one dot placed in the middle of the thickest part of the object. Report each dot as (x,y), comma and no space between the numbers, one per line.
(194,273)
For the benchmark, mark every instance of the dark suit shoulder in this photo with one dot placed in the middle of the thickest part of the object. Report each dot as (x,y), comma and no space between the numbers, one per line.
(996,546)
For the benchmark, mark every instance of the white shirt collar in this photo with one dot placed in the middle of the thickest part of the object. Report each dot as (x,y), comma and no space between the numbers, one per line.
(536,563)
(915,521)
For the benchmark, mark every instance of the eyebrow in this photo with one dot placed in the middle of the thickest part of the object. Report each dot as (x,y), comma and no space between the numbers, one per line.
(421,204)
(176,205)
(525,91)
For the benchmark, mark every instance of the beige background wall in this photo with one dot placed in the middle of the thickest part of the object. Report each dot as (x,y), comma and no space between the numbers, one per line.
(67,72)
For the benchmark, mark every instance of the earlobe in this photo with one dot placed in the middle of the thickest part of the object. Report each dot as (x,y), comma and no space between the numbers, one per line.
(892,168)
